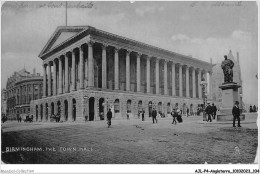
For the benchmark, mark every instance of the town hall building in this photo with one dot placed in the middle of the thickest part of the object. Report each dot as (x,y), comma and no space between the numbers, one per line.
(86,71)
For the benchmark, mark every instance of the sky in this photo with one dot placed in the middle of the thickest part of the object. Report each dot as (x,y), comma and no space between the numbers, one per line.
(202,29)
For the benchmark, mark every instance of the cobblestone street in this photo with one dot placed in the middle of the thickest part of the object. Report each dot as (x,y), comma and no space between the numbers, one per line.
(132,142)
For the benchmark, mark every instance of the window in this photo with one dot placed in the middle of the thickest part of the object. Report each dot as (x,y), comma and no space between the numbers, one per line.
(116,106)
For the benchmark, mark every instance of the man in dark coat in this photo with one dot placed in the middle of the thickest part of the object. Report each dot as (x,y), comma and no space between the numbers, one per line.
(109,117)
(214,110)
(143,114)
(154,114)
(236,114)
(208,111)
(174,115)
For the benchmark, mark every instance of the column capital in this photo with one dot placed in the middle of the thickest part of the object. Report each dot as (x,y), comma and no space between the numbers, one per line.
(67,54)
(139,54)
(81,47)
(104,46)
(117,49)
(90,42)
(157,60)
(166,61)
(186,66)
(148,57)
(193,68)
(210,72)
(60,57)
(180,64)
(173,62)
(128,51)
(71,50)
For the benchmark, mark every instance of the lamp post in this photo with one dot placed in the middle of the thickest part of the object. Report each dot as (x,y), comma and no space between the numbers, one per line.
(240,101)
(204,84)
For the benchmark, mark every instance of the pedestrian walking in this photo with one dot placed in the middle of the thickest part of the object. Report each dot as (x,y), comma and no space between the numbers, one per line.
(208,111)
(143,114)
(174,115)
(254,108)
(214,109)
(236,114)
(154,114)
(109,117)
(188,112)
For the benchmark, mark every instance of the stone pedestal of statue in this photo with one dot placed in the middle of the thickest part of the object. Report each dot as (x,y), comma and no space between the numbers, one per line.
(229,96)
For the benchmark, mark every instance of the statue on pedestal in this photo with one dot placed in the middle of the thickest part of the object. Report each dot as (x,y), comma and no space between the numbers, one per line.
(227,66)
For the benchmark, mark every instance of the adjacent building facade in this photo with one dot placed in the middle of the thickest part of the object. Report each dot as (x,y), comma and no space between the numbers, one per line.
(21,88)
(86,71)
(3,102)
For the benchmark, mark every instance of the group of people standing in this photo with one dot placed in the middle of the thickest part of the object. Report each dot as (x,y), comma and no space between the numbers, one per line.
(253,109)
(210,111)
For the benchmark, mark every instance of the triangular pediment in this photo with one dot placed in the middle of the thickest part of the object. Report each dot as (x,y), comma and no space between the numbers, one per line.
(64,35)
(61,35)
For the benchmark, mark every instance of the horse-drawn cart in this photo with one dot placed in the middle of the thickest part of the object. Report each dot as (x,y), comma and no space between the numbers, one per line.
(28,118)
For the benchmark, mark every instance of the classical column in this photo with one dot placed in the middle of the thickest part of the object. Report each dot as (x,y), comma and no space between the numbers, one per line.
(210,85)
(116,69)
(49,79)
(138,72)
(173,79)
(148,74)
(90,64)
(127,70)
(21,97)
(187,82)
(104,66)
(27,92)
(39,92)
(32,91)
(165,78)
(157,76)
(73,68)
(81,66)
(86,72)
(44,81)
(66,73)
(60,76)
(193,83)
(180,80)
(199,81)
(54,88)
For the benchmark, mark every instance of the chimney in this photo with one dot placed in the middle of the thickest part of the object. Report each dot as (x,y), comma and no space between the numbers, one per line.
(238,58)
(34,72)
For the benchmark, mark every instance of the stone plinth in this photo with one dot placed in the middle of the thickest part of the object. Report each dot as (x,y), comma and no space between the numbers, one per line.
(229,96)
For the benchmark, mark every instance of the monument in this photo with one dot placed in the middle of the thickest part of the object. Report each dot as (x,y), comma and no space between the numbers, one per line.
(229,92)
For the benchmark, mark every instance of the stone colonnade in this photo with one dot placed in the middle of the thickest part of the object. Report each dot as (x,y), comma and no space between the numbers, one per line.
(75,69)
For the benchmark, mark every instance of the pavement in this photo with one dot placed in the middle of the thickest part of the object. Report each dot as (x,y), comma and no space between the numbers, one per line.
(132,142)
